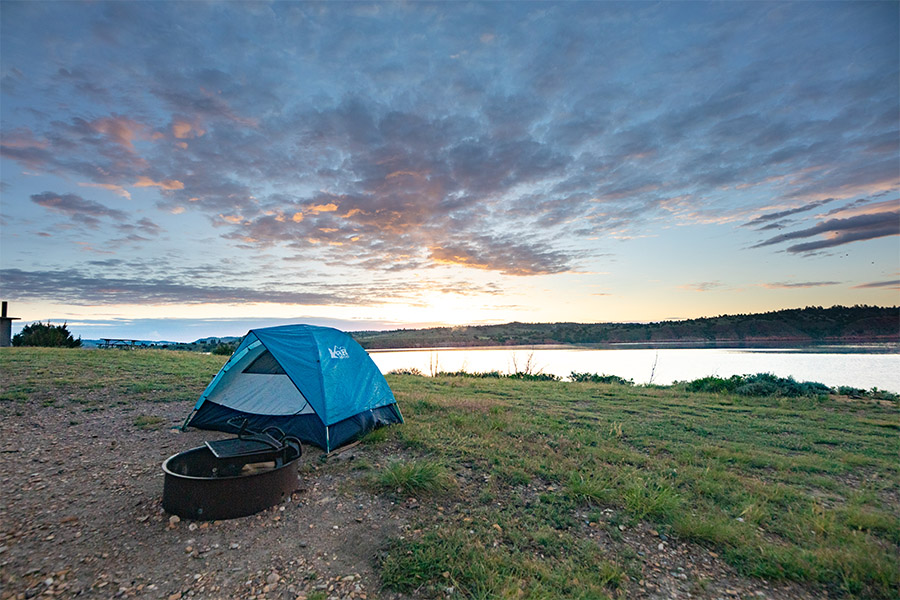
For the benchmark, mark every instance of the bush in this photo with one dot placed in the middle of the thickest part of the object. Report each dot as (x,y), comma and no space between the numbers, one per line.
(461,373)
(715,385)
(223,350)
(406,371)
(595,378)
(533,376)
(53,336)
(846,390)
(761,384)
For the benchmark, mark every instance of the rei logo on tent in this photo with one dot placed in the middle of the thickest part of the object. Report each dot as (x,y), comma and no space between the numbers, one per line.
(339,352)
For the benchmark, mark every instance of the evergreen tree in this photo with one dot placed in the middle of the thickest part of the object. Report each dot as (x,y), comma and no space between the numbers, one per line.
(38,334)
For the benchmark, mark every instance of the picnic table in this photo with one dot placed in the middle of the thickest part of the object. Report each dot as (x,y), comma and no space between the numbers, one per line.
(121,343)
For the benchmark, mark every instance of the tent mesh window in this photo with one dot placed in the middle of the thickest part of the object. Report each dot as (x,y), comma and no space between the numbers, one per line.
(265,364)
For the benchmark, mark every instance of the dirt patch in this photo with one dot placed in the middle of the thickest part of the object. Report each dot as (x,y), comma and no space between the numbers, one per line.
(81,517)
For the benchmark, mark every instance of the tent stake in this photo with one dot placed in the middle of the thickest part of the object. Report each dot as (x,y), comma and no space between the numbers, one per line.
(342,449)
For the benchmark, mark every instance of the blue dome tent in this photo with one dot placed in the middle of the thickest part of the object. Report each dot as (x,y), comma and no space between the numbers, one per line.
(315,383)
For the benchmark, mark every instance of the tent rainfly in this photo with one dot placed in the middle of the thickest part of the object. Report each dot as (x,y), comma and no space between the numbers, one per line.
(315,383)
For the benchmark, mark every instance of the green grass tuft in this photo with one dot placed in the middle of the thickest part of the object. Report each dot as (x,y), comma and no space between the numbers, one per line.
(415,478)
(146,422)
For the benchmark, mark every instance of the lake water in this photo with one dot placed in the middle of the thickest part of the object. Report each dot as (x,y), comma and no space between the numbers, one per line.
(855,366)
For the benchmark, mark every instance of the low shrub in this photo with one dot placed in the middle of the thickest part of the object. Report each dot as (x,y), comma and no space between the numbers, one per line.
(406,371)
(714,385)
(498,375)
(760,385)
(846,390)
(595,378)
(461,373)
(533,376)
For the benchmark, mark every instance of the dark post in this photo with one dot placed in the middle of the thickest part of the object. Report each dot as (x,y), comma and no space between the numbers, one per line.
(6,327)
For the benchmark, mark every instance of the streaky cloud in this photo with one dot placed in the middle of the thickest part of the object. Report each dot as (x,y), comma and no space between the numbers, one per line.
(776,216)
(890,284)
(79,210)
(74,287)
(799,284)
(703,286)
(841,231)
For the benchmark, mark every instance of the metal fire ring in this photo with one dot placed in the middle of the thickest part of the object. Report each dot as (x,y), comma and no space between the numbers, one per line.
(197,487)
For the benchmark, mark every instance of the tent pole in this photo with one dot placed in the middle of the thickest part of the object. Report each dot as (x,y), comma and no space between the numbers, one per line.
(185,424)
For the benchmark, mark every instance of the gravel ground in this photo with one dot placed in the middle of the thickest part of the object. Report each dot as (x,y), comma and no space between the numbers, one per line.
(81,516)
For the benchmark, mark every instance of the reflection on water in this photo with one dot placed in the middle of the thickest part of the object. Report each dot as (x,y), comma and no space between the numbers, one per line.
(857,366)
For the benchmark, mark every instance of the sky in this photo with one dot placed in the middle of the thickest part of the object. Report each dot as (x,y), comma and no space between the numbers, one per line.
(177,170)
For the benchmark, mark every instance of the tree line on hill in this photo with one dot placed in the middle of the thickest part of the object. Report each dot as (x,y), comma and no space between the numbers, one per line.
(839,324)
(814,324)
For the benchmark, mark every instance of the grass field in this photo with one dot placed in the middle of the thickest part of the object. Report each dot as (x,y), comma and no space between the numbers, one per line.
(782,489)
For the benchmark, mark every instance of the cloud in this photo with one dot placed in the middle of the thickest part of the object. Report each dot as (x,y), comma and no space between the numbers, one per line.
(22,139)
(156,282)
(91,214)
(703,286)
(109,186)
(141,231)
(74,287)
(121,130)
(77,208)
(775,225)
(864,206)
(567,129)
(184,130)
(837,232)
(763,220)
(167,185)
(320,208)
(799,284)
(503,255)
(100,150)
(890,284)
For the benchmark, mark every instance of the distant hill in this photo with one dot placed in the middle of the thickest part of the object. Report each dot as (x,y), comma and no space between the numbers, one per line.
(102,342)
(209,344)
(838,324)
(219,345)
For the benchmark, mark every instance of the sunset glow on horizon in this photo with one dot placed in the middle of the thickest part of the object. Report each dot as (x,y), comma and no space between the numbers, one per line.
(177,170)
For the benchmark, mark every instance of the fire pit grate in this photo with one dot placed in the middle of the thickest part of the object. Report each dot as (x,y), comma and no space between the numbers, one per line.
(232,478)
